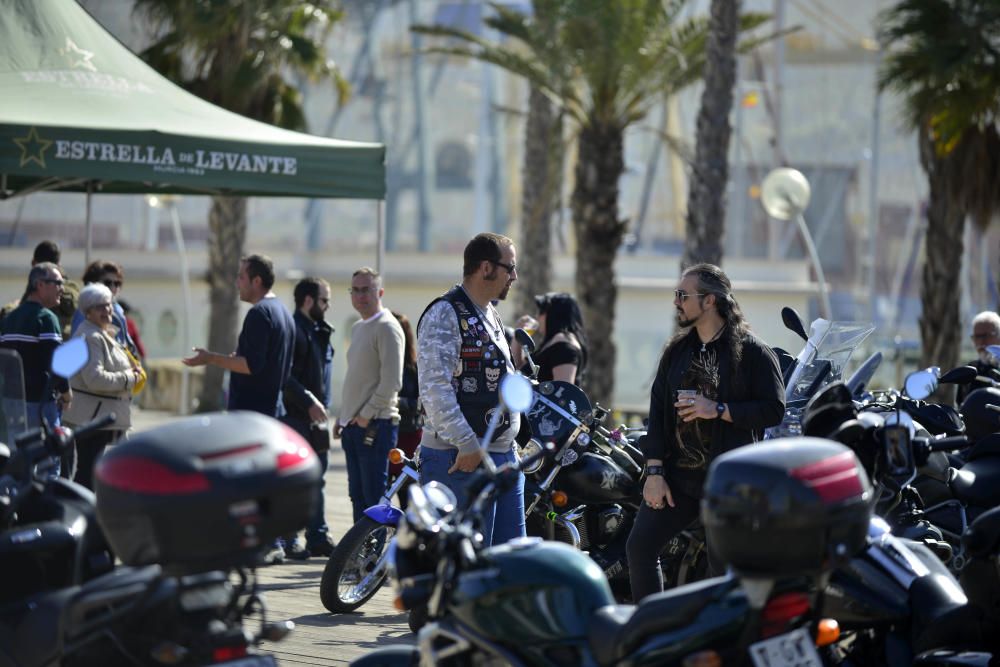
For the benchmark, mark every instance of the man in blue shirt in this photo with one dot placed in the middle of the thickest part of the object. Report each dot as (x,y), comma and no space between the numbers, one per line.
(262,362)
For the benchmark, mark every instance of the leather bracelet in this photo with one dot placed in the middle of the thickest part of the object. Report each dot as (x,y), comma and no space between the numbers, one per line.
(654,470)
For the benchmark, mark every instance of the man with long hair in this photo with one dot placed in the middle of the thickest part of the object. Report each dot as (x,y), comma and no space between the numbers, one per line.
(717,388)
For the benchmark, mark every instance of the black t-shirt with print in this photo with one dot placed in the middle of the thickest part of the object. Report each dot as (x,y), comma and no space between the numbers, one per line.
(694,438)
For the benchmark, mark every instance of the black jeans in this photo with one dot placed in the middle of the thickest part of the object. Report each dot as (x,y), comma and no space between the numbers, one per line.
(650,533)
(88,449)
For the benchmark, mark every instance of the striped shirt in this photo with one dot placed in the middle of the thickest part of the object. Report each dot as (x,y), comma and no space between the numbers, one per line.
(34,333)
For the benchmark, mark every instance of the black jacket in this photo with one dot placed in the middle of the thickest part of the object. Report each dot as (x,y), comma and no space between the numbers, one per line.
(309,361)
(755,397)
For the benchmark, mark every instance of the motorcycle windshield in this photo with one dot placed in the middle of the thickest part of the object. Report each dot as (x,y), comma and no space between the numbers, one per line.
(824,356)
(13,421)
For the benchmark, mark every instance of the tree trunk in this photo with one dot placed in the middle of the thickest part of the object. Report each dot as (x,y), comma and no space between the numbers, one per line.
(940,291)
(710,172)
(227,225)
(599,233)
(541,188)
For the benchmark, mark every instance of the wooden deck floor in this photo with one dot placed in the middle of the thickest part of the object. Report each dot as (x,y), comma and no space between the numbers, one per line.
(291,591)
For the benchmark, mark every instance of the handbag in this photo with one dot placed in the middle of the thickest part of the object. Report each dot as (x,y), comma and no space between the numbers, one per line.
(141,382)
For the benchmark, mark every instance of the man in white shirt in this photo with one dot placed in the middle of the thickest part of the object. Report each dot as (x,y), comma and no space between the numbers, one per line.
(369,419)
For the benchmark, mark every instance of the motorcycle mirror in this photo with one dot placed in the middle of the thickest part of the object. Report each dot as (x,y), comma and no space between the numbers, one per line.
(921,384)
(70,357)
(861,377)
(793,322)
(525,340)
(960,375)
(516,393)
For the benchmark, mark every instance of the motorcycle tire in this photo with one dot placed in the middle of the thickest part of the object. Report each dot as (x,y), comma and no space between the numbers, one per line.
(352,575)
(417,618)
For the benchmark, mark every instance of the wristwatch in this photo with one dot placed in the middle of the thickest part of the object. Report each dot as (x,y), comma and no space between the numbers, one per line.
(654,470)
(720,409)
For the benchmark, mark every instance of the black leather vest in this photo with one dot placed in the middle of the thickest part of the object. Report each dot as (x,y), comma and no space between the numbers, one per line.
(477,386)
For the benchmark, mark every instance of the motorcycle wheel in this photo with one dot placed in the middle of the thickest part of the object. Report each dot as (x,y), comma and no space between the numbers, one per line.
(356,567)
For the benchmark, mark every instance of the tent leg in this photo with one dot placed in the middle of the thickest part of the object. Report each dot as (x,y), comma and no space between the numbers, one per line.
(90,197)
(380,239)
(175,219)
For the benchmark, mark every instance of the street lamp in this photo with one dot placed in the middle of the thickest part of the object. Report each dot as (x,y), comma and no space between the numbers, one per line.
(785,195)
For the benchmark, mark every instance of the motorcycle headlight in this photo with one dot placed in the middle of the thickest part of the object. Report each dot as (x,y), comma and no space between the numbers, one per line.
(531,448)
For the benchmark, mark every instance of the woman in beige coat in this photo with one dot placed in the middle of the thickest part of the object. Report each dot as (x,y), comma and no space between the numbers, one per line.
(103,386)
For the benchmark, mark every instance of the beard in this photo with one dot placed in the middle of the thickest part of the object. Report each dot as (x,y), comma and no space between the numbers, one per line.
(987,358)
(504,291)
(316,313)
(683,322)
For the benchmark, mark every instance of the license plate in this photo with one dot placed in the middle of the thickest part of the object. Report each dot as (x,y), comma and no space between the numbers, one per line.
(793,649)
(252,661)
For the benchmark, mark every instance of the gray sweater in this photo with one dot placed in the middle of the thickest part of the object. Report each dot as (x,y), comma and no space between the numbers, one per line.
(374,369)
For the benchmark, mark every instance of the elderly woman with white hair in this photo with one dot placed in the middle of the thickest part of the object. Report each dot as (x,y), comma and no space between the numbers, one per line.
(104,385)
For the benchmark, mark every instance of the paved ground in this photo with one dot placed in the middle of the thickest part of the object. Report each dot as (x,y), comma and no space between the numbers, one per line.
(292,590)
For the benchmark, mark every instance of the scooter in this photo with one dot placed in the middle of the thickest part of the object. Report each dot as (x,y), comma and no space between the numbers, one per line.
(183,592)
(356,568)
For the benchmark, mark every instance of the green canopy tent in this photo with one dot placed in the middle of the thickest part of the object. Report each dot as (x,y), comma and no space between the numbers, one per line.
(80,112)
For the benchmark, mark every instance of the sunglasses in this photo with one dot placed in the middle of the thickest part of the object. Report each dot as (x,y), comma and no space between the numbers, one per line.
(361,290)
(682,296)
(509,267)
(112,284)
(53,281)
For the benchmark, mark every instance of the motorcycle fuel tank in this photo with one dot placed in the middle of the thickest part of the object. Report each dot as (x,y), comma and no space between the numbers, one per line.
(596,479)
(531,592)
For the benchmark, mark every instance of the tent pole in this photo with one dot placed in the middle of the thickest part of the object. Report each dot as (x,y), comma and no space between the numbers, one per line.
(380,240)
(175,219)
(90,197)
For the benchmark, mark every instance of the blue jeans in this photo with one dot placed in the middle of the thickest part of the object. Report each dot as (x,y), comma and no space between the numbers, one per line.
(503,519)
(367,465)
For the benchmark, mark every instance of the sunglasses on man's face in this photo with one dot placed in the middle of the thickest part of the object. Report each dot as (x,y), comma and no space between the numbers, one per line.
(681,295)
(112,284)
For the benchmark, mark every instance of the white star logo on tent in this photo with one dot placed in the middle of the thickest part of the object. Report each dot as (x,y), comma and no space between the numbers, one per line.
(77,57)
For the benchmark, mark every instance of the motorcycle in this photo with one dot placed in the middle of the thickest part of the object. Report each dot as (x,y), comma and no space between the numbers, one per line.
(823,359)
(543,603)
(355,570)
(185,507)
(898,603)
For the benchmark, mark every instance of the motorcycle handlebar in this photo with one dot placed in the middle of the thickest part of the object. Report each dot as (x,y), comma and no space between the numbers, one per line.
(945,444)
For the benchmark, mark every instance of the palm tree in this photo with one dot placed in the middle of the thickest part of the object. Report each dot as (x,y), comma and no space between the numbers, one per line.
(604,64)
(944,63)
(237,54)
(710,172)
(541,190)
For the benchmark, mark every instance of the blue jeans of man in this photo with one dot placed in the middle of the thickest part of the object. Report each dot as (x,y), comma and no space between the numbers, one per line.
(367,464)
(503,520)
(317,529)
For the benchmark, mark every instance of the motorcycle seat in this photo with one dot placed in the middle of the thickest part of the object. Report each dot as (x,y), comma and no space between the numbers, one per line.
(615,631)
(985,448)
(977,483)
